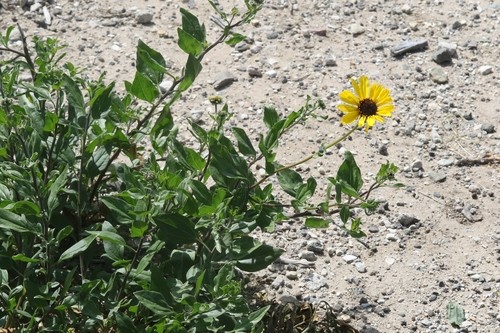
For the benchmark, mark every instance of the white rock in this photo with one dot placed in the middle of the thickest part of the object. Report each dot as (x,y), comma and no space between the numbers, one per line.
(485,70)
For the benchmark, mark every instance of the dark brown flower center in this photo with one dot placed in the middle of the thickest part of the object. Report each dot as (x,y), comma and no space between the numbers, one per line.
(367,107)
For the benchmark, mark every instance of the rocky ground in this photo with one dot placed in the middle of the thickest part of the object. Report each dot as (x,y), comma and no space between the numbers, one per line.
(437,240)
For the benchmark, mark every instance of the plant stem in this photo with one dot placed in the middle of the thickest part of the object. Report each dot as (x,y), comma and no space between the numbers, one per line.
(289,166)
(132,264)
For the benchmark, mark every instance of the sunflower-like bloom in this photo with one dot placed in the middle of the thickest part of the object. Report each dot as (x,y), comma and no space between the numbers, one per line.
(369,103)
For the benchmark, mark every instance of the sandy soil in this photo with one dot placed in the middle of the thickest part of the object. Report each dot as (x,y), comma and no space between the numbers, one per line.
(443,136)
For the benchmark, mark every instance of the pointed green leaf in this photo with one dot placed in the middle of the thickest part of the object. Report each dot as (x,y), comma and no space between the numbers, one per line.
(150,63)
(98,162)
(271,117)
(23,258)
(316,222)
(24,207)
(101,101)
(345,214)
(235,39)
(74,95)
(192,69)
(55,188)
(154,301)
(290,181)
(244,144)
(50,121)
(175,229)
(192,26)
(349,172)
(77,248)
(14,222)
(143,88)
(189,44)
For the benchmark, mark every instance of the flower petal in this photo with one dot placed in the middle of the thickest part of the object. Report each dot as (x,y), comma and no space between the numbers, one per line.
(355,85)
(380,119)
(348,97)
(361,121)
(349,118)
(385,110)
(347,108)
(364,87)
(370,121)
(375,91)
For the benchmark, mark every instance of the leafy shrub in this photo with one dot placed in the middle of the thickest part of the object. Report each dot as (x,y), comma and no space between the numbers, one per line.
(97,236)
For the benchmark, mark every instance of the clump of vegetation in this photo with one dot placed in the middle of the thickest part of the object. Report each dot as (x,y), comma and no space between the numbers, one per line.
(97,236)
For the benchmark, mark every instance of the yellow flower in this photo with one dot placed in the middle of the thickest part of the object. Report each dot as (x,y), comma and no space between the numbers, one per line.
(369,103)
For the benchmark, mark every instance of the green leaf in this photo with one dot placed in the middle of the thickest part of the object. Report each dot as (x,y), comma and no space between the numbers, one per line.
(24,208)
(50,121)
(355,230)
(189,44)
(55,188)
(124,323)
(349,172)
(386,172)
(108,236)
(101,101)
(98,162)
(316,222)
(162,129)
(63,233)
(192,69)
(23,258)
(143,88)
(154,301)
(291,119)
(188,157)
(150,63)
(235,39)
(306,191)
(192,26)
(77,248)
(290,181)
(200,191)
(225,163)
(345,214)
(250,255)
(199,283)
(74,95)
(114,244)
(271,117)
(175,229)
(120,209)
(456,314)
(14,222)
(244,144)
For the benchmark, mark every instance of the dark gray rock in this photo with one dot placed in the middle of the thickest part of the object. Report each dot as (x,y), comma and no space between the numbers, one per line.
(409,46)
(223,79)
(144,17)
(488,128)
(442,56)
(407,220)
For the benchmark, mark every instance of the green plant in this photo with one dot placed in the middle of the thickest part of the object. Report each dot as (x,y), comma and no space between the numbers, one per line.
(97,236)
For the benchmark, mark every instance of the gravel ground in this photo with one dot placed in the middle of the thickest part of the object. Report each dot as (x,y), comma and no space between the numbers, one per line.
(435,241)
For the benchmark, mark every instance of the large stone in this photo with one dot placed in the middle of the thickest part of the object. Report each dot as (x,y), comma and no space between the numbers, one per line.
(409,46)
(442,56)
(439,76)
(223,80)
